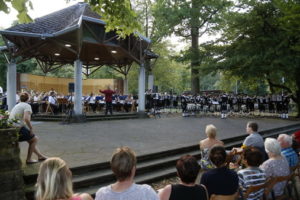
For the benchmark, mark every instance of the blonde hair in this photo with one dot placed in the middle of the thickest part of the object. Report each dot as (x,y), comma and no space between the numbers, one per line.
(54,180)
(211,131)
(122,162)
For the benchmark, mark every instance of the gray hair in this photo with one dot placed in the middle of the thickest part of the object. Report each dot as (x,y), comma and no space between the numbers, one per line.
(287,138)
(272,146)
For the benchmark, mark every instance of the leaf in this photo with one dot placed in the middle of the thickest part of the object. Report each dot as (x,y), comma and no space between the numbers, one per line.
(24,17)
(3,7)
(19,5)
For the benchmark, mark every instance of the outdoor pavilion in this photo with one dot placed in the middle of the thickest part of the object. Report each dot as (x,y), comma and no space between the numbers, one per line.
(74,35)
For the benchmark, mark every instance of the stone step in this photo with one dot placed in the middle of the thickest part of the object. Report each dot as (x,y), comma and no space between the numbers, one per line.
(150,168)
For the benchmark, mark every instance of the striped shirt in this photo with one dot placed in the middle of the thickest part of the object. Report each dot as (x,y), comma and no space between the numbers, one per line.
(291,156)
(252,176)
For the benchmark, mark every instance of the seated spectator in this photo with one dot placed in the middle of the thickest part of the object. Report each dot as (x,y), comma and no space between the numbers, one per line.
(253,140)
(187,170)
(206,145)
(54,182)
(286,143)
(22,113)
(220,181)
(252,175)
(276,165)
(296,141)
(123,165)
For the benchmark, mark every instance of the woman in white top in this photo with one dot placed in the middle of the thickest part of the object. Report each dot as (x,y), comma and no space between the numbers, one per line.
(123,165)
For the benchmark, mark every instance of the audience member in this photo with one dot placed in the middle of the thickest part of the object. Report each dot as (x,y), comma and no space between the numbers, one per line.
(54,182)
(220,181)
(286,143)
(206,145)
(252,175)
(276,165)
(123,165)
(296,141)
(187,170)
(254,139)
(22,112)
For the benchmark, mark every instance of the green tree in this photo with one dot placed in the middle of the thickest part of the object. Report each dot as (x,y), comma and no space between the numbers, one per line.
(119,15)
(260,45)
(190,19)
(21,6)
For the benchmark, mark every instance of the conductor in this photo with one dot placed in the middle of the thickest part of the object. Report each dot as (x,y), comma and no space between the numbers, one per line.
(108,99)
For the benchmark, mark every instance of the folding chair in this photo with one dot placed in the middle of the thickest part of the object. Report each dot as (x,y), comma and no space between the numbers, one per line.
(256,188)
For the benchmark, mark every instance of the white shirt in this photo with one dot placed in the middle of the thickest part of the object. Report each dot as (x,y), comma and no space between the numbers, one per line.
(92,99)
(1,90)
(18,113)
(134,192)
(52,100)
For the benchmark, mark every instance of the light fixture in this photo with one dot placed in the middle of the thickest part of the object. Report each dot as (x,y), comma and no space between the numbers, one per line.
(57,54)
(114,51)
(96,58)
(68,45)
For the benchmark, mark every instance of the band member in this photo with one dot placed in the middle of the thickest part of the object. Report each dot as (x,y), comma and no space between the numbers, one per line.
(53,102)
(91,100)
(285,106)
(108,99)
(224,101)
(184,105)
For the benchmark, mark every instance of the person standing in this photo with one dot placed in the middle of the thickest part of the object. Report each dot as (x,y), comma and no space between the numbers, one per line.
(108,99)
(22,112)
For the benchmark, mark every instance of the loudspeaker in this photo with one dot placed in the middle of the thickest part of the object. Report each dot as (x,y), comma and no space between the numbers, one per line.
(71,87)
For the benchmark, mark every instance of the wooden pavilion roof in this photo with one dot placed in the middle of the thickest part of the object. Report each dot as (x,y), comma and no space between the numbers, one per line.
(75,32)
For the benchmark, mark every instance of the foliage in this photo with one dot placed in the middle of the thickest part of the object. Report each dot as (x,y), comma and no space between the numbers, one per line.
(106,72)
(5,122)
(190,19)
(21,6)
(118,15)
(169,75)
(260,45)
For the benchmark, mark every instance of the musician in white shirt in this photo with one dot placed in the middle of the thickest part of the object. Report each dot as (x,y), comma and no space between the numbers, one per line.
(53,102)
(91,100)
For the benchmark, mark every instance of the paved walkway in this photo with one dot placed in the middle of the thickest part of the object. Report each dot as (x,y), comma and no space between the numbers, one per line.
(92,142)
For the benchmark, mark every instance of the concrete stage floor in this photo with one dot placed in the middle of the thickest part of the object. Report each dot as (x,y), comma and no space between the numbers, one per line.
(93,142)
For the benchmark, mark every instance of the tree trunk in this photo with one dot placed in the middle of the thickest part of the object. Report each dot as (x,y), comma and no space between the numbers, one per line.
(297,99)
(195,80)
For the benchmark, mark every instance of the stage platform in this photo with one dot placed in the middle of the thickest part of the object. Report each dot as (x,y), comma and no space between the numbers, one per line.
(93,142)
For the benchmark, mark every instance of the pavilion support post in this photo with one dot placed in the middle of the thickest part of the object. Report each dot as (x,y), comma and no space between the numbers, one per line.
(142,89)
(11,85)
(150,81)
(125,85)
(78,87)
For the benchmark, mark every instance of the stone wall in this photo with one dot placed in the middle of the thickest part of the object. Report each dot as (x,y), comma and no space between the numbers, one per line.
(11,175)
